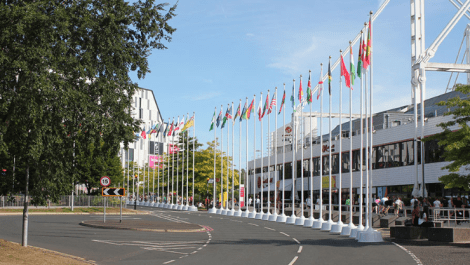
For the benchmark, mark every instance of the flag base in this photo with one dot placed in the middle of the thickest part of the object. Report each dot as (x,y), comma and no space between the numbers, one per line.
(180,207)
(317,224)
(238,213)
(354,231)
(252,215)
(273,217)
(185,208)
(219,211)
(300,220)
(192,208)
(370,236)
(245,213)
(174,207)
(347,229)
(337,228)
(266,216)
(259,216)
(281,218)
(326,226)
(224,212)
(291,220)
(309,222)
(230,212)
(212,210)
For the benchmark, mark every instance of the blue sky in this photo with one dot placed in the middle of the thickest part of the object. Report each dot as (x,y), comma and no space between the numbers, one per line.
(226,50)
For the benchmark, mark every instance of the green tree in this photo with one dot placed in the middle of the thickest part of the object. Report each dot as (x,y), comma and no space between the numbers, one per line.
(456,143)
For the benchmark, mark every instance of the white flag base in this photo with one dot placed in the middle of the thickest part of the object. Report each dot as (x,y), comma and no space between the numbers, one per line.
(266,216)
(309,222)
(317,224)
(347,229)
(300,220)
(291,220)
(370,236)
(259,216)
(174,207)
(245,213)
(337,228)
(185,208)
(192,208)
(326,226)
(281,218)
(238,213)
(273,217)
(212,210)
(252,215)
(219,211)
(224,212)
(356,230)
(180,207)
(230,212)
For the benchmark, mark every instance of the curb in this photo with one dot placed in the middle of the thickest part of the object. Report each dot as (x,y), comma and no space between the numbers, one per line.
(202,229)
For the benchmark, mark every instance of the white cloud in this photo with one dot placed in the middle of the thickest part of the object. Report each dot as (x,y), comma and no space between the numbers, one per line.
(205,96)
(250,34)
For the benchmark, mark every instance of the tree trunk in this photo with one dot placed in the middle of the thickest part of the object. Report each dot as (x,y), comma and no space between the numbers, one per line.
(25,211)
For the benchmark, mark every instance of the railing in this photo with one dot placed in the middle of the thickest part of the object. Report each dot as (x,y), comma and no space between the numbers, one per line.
(64,201)
(449,215)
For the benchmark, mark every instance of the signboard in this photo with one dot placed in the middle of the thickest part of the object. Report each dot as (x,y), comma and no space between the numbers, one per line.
(241,198)
(326,182)
(210,181)
(112,192)
(105,181)
(155,160)
(155,148)
(173,149)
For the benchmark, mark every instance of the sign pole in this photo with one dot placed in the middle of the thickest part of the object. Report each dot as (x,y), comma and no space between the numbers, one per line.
(104,210)
(120,211)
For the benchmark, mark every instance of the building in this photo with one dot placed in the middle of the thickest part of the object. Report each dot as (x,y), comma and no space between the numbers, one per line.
(393,161)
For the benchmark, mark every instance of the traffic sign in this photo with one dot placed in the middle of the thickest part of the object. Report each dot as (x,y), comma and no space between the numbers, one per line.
(113,192)
(105,181)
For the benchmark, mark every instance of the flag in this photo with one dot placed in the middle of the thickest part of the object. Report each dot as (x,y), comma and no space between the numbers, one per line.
(213,122)
(143,134)
(320,84)
(359,59)
(282,102)
(237,113)
(301,92)
(180,125)
(259,108)
(242,114)
(330,78)
(171,128)
(165,133)
(265,105)
(160,129)
(369,47)
(345,73)
(273,103)
(309,90)
(228,116)
(249,110)
(292,97)
(149,130)
(190,123)
(352,68)
(219,117)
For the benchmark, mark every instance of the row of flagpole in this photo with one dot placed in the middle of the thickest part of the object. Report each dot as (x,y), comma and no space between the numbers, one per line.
(171,130)
(363,234)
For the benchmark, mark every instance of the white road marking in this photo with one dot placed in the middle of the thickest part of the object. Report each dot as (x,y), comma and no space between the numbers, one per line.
(296,240)
(293,260)
(418,261)
(284,233)
(253,224)
(300,249)
(270,228)
(170,261)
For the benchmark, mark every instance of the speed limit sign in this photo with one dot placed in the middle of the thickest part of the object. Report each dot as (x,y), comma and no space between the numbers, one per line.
(105,181)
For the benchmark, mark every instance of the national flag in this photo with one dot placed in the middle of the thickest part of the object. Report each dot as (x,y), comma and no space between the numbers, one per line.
(171,128)
(228,115)
(219,118)
(359,59)
(345,73)
(320,84)
(259,108)
(352,68)
(273,103)
(249,110)
(242,114)
(369,47)
(309,89)
(283,100)
(330,77)
(189,124)
(266,104)
(180,125)
(213,122)
(292,97)
(149,130)
(165,133)
(143,134)
(301,92)
(364,49)
(237,113)
(160,129)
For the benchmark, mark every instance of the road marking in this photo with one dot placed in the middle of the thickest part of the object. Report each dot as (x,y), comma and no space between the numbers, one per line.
(253,224)
(300,249)
(270,228)
(293,260)
(296,240)
(418,261)
(284,233)
(170,261)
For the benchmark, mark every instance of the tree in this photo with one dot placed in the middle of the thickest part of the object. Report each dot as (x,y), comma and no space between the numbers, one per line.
(64,70)
(456,143)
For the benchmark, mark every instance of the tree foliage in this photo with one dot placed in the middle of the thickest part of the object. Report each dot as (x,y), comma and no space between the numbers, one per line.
(456,143)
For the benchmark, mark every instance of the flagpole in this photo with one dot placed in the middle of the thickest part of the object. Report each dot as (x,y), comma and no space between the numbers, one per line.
(274,216)
(291,220)
(246,195)
(219,211)
(282,218)
(180,207)
(231,212)
(301,219)
(261,213)
(327,225)
(311,219)
(128,168)
(253,214)
(187,207)
(266,216)
(239,212)
(214,194)
(317,224)
(153,182)
(225,201)
(168,179)
(193,208)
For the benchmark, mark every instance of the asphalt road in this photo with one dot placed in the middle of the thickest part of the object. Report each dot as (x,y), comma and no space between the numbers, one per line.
(229,240)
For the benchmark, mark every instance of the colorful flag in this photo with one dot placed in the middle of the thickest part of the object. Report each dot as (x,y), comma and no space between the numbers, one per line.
(213,122)
(283,100)
(359,59)
(249,110)
(259,108)
(237,113)
(165,133)
(273,103)
(345,73)
(309,89)
(330,77)
(320,84)
(266,104)
(228,116)
(301,92)
(219,118)
(160,129)
(189,124)
(171,128)
(242,114)
(352,68)
(180,125)
(292,97)
(368,48)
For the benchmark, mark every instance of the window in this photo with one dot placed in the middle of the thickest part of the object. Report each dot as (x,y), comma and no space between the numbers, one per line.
(150,114)
(356,159)
(433,152)
(316,166)
(345,162)
(335,164)
(258,170)
(288,170)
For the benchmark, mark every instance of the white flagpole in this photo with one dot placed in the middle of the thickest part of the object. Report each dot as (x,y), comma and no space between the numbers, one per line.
(301,220)
(128,168)
(282,218)
(181,206)
(266,216)
(247,209)
(178,206)
(225,201)
(168,179)
(311,219)
(261,213)
(291,220)
(153,181)
(274,216)
(232,211)
(317,224)
(239,212)
(187,169)
(173,206)
(338,227)
(192,207)
(214,194)
(219,211)
(253,214)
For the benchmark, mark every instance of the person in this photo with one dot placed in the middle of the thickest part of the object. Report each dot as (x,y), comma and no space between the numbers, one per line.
(398,206)
(250,201)
(423,218)
(383,204)
(388,203)
(437,205)
(415,215)
(375,205)
(258,203)
(458,205)
(426,203)
(348,204)
(414,202)
(308,201)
